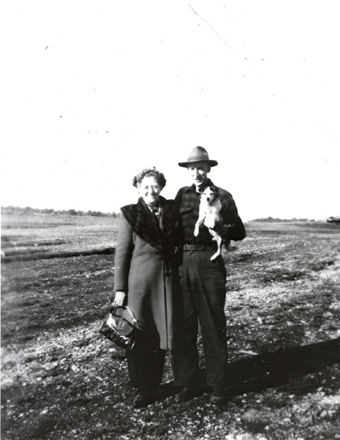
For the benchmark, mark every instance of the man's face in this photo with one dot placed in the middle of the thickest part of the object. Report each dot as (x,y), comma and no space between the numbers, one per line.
(198,173)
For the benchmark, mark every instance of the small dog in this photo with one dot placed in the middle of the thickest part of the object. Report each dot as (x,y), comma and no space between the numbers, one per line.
(209,214)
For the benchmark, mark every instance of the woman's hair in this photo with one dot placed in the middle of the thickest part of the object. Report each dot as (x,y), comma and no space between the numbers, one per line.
(149,172)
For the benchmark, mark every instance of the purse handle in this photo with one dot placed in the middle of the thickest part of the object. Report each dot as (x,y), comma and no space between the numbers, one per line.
(129,315)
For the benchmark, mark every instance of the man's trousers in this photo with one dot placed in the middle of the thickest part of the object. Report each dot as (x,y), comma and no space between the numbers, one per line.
(204,292)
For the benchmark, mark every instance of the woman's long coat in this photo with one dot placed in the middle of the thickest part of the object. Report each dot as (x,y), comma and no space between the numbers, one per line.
(146,268)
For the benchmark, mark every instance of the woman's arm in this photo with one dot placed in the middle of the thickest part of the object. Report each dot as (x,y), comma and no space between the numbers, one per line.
(124,249)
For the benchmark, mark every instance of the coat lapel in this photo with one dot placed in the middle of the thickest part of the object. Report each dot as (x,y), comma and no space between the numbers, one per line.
(144,223)
(147,226)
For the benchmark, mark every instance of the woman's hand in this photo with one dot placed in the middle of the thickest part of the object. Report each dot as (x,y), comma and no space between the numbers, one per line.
(119,299)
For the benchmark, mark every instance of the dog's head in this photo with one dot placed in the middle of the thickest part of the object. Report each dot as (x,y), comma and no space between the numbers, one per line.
(209,194)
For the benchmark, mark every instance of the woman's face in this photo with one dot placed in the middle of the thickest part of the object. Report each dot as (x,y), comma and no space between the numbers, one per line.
(150,190)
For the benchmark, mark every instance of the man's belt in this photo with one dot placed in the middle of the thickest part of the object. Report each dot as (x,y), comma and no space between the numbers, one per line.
(199,247)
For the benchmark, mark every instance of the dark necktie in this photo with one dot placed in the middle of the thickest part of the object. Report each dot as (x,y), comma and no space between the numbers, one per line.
(156,212)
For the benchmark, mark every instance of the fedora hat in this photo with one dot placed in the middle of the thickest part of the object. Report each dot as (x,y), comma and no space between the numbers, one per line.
(198,154)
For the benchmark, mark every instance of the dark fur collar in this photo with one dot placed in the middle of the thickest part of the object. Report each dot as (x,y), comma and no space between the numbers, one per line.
(146,225)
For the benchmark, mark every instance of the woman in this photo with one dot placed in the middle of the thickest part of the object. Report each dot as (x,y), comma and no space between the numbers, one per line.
(146,279)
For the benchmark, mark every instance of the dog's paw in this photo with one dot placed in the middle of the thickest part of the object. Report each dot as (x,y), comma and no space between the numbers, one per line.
(196,231)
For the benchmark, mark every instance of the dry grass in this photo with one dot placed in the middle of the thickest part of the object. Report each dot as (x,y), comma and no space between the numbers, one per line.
(62,380)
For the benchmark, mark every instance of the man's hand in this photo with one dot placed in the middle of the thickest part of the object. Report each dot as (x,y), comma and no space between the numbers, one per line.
(221,228)
(119,299)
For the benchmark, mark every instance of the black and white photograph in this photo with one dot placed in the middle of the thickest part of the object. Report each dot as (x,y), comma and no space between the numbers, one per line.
(170,220)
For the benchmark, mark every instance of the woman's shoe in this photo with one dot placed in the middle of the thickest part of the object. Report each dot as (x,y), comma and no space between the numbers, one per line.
(218,396)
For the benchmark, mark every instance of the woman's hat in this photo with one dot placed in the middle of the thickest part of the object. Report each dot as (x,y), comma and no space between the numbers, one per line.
(198,154)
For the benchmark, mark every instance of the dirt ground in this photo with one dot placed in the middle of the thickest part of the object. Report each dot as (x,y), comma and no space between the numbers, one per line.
(62,380)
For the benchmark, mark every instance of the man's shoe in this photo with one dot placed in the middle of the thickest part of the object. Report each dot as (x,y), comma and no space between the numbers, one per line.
(144,399)
(218,396)
(187,394)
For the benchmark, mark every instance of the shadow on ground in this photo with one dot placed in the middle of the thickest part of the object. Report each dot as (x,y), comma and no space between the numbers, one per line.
(278,368)
(273,369)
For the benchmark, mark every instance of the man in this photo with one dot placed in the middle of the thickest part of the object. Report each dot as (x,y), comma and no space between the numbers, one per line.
(203,284)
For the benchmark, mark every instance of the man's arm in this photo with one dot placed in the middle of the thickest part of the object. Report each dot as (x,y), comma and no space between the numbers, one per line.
(233,228)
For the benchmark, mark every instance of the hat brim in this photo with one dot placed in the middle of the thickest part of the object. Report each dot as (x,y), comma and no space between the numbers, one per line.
(212,163)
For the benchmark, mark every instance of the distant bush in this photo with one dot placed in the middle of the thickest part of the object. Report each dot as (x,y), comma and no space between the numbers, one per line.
(30,211)
(271,219)
(72,212)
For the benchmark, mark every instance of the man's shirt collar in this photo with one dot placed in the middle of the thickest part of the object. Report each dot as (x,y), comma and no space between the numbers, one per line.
(192,188)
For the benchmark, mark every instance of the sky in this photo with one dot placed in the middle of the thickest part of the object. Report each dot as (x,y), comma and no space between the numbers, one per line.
(95,91)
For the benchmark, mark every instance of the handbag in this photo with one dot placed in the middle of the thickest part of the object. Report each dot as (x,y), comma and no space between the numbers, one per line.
(118,327)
